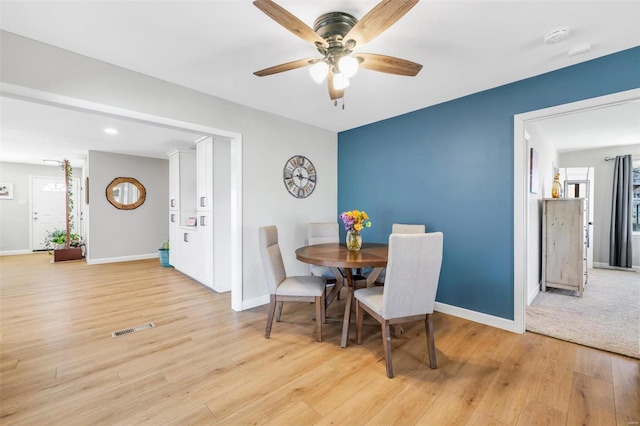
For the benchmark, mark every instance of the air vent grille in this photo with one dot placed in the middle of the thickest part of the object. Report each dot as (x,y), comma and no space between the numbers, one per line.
(132,329)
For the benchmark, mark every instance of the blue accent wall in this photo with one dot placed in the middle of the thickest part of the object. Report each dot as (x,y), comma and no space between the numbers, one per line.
(450,167)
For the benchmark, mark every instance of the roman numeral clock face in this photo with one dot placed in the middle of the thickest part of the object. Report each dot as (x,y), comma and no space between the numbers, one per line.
(299,176)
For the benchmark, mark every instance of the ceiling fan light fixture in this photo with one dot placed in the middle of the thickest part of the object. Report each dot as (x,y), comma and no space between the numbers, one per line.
(336,35)
(319,71)
(340,81)
(348,66)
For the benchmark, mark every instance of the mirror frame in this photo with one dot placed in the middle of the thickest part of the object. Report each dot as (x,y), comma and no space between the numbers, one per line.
(134,182)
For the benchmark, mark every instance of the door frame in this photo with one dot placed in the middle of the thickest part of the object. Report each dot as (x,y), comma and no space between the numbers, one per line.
(235,158)
(520,188)
(77,204)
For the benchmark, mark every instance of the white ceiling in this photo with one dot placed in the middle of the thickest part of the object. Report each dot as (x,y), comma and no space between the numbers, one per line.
(615,125)
(32,132)
(215,46)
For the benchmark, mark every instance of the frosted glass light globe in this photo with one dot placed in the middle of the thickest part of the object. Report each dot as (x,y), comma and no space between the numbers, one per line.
(319,71)
(348,66)
(340,81)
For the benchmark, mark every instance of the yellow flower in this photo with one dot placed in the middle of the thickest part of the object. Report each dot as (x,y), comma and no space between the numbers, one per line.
(355,220)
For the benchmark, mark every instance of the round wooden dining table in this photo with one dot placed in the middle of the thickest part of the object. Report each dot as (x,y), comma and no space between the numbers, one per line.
(336,255)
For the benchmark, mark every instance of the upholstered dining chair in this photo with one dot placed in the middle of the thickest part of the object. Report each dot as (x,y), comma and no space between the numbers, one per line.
(401,228)
(322,233)
(288,289)
(409,293)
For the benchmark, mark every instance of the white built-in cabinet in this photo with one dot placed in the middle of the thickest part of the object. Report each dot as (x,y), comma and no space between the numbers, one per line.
(191,211)
(564,243)
(204,189)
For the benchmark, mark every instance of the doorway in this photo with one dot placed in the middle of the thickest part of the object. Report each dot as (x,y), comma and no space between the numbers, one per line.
(522,238)
(579,182)
(48,210)
(234,243)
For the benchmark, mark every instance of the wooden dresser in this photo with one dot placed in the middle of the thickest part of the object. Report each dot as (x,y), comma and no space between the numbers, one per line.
(564,243)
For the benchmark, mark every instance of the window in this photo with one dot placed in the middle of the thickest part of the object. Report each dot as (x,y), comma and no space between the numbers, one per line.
(635,207)
(54,187)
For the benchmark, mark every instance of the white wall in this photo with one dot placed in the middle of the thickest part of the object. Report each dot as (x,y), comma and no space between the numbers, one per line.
(222,213)
(603,190)
(117,235)
(15,219)
(268,140)
(547,157)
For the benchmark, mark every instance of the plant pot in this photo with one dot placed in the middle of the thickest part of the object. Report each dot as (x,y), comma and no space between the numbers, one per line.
(72,253)
(164,258)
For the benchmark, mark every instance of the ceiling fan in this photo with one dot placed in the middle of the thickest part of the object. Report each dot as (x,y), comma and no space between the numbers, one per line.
(336,35)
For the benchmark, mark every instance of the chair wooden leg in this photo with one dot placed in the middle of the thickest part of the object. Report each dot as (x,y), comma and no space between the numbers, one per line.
(397,330)
(279,311)
(431,344)
(272,308)
(319,315)
(324,306)
(386,343)
(359,321)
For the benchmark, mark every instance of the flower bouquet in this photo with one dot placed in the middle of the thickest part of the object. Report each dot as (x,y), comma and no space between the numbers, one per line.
(354,221)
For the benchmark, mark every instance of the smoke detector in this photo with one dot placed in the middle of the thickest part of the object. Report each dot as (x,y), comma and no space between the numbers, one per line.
(556,35)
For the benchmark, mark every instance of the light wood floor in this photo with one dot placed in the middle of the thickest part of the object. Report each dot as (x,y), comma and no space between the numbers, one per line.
(205,364)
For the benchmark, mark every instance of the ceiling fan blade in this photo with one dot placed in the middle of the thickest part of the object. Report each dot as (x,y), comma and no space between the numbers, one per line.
(289,21)
(388,64)
(377,20)
(285,67)
(333,92)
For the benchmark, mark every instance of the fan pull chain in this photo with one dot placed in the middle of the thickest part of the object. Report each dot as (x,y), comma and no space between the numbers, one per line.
(335,103)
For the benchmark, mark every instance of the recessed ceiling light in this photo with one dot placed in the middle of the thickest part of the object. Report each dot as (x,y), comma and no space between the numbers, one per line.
(111,131)
(56,162)
(556,35)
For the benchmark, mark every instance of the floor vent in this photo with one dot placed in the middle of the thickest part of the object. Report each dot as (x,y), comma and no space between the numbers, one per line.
(132,329)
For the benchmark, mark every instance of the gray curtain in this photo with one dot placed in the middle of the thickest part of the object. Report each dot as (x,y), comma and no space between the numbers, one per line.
(621,234)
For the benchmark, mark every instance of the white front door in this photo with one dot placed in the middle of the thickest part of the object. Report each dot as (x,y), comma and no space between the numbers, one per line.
(48,208)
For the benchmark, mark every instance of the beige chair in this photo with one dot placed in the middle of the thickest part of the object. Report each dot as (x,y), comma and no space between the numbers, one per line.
(322,233)
(288,289)
(401,228)
(409,293)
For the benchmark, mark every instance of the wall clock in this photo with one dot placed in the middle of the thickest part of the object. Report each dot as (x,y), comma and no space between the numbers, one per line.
(299,176)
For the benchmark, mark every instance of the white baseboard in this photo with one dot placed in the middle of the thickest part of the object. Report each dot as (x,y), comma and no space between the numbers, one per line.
(121,259)
(12,252)
(478,317)
(255,302)
(532,294)
(607,266)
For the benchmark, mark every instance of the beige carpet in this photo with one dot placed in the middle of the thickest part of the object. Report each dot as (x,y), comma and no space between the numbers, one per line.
(607,317)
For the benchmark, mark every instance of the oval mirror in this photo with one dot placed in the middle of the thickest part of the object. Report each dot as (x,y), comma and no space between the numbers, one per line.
(126,193)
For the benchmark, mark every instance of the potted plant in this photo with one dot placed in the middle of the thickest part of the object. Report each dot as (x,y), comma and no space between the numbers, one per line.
(65,245)
(164,254)
(57,240)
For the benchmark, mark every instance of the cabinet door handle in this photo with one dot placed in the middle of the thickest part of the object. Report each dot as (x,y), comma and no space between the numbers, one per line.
(173,217)
(173,202)
(203,221)
(186,237)
(203,201)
